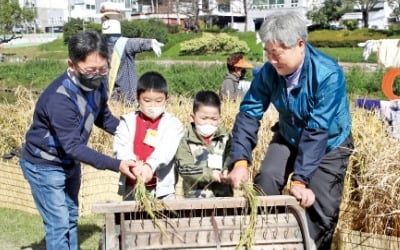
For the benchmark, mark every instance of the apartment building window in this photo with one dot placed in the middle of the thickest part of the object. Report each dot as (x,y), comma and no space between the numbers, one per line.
(224,8)
(29,4)
(260,2)
(270,4)
(204,4)
(130,3)
(294,3)
(276,2)
(88,6)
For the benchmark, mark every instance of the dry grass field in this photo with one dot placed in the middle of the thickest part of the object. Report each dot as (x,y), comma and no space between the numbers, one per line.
(370,201)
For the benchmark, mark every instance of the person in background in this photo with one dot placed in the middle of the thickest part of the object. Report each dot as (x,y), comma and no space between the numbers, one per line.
(203,153)
(123,77)
(233,86)
(150,138)
(312,139)
(56,142)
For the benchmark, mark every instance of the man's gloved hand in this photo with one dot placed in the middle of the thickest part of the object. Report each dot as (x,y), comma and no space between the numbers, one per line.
(156,46)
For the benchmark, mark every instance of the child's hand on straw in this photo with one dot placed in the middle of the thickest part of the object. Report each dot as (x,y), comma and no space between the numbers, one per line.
(145,171)
(224,176)
(126,166)
(216,175)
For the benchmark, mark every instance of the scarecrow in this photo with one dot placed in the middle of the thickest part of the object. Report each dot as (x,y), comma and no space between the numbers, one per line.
(122,77)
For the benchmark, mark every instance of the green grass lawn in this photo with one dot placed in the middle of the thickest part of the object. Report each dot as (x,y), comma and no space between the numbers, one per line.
(183,78)
(354,55)
(57,50)
(47,61)
(21,230)
(33,74)
(171,50)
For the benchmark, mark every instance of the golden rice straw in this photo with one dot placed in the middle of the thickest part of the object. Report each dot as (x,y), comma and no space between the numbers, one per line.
(370,198)
(250,194)
(150,204)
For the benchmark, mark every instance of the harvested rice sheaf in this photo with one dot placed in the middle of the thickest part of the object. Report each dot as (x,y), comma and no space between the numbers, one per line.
(370,199)
(251,207)
(150,204)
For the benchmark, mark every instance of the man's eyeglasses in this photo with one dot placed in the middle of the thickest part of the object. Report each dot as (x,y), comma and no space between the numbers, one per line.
(274,54)
(93,71)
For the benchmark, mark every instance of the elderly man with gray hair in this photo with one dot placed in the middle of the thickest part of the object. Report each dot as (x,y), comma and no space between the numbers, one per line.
(312,140)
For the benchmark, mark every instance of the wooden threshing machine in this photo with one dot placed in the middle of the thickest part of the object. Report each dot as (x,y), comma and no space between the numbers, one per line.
(214,223)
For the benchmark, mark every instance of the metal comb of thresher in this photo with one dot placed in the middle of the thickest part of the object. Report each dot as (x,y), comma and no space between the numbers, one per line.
(213,223)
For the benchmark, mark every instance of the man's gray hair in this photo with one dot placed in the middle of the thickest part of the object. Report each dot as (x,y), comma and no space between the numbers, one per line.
(285,28)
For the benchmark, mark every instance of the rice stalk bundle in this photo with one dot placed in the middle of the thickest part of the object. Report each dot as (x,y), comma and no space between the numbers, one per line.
(15,119)
(150,204)
(370,201)
(251,208)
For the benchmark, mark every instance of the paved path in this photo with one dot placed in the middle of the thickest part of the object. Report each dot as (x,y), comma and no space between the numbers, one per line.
(368,67)
(31,39)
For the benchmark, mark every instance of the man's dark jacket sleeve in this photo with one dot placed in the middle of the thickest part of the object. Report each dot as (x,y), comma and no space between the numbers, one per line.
(244,137)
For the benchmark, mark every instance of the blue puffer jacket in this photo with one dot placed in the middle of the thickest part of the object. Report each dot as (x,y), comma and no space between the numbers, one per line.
(314,117)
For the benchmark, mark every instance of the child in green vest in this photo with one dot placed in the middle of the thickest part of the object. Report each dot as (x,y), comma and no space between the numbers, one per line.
(202,155)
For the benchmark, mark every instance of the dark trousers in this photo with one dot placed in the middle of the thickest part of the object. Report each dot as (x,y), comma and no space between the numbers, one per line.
(326,183)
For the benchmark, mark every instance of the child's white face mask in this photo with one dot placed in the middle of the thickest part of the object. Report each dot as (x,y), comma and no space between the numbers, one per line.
(206,130)
(152,112)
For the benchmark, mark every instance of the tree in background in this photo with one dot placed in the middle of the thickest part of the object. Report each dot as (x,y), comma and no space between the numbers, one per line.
(331,10)
(350,24)
(149,28)
(396,9)
(364,6)
(12,15)
(75,25)
(245,8)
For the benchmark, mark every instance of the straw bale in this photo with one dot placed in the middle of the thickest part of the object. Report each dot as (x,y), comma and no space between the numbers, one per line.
(97,186)
(370,201)
(366,241)
(15,192)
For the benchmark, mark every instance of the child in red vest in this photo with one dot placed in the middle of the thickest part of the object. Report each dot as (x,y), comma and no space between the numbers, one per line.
(150,135)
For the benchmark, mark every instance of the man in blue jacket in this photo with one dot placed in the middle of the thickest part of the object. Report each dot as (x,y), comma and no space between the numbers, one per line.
(312,139)
(56,142)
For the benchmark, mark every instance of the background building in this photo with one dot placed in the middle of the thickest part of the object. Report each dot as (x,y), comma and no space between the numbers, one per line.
(238,14)
(378,18)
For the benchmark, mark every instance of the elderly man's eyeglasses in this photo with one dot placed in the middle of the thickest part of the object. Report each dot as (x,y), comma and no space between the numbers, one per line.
(274,53)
